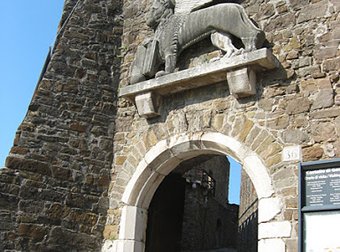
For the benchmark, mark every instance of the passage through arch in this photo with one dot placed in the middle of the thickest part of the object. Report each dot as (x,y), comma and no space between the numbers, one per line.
(163,158)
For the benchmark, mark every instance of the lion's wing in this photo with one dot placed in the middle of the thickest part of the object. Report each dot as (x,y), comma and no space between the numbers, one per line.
(187,6)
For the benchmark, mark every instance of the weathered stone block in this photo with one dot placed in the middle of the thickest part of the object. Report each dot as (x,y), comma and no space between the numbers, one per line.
(269,209)
(312,11)
(295,136)
(273,160)
(34,232)
(147,104)
(292,54)
(267,245)
(324,99)
(247,126)
(242,82)
(252,135)
(324,83)
(308,86)
(217,122)
(286,21)
(271,150)
(331,64)
(275,229)
(266,104)
(326,53)
(28,165)
(298,105)
(198,120)
(280,122)
(178,123)
(262,135)
(312,153)
(309,70)
(324,131)
(325,113)
(266,11)
(135,223)
(298,4)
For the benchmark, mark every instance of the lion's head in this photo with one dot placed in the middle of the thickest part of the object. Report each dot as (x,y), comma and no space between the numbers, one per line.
(159,9)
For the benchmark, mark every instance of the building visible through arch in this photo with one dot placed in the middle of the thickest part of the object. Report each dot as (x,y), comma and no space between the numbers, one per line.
(193,200)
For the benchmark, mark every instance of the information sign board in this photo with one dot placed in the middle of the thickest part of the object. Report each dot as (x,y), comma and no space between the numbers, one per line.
(322,187)
(319,206)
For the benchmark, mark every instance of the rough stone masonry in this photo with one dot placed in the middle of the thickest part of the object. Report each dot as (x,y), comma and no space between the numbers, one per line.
(76,154)
(55,185)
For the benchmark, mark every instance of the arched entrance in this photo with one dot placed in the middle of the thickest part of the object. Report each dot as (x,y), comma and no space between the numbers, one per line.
(165,156)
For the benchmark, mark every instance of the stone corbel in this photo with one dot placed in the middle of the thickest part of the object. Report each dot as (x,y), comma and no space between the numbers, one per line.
(239,71)
(148,104)
(242,82)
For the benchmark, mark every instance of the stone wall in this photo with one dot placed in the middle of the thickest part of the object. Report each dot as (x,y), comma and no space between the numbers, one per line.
(209,222)
(296,104)
(53,192)
(217,167)
(247,216)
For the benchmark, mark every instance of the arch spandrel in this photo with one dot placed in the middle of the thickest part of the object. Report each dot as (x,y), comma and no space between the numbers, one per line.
(167,155)
(227,137)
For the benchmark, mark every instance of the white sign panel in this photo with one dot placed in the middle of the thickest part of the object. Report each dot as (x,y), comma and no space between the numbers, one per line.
(321,232)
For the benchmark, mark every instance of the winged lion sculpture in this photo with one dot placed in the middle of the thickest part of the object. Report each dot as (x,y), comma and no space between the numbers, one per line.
(175,32)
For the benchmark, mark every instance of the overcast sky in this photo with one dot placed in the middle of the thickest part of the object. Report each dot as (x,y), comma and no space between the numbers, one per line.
(27,30)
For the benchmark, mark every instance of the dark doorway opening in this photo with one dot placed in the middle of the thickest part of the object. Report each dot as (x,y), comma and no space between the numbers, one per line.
(165,216)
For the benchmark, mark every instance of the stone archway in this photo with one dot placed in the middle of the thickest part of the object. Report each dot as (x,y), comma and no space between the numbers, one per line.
(165,156)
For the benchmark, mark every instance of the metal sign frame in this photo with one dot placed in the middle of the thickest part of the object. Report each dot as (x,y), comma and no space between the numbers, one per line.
(304,167)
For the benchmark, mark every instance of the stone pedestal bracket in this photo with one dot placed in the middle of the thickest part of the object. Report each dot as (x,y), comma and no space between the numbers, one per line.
(239,71)
(242,82)
(147,104)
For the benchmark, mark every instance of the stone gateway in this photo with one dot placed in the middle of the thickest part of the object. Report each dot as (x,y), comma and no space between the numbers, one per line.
(116,155)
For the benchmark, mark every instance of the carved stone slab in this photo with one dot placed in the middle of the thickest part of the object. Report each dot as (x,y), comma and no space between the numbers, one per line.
(206,74)
(239,71)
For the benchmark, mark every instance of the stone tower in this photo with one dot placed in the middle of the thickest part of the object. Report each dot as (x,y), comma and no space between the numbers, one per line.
(54,189)
(94,147)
